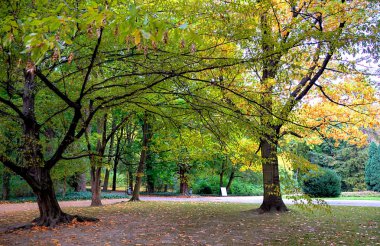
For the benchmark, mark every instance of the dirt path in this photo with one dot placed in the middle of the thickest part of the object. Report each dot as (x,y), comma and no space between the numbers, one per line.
(30,206)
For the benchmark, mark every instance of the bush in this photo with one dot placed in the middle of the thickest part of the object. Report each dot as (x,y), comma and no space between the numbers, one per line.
(239,187)
(322,183)
(246,189)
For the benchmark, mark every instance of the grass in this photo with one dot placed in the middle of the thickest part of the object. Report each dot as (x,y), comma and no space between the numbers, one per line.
(152,223)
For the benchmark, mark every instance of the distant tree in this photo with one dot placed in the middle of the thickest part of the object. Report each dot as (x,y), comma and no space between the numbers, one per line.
(372,168)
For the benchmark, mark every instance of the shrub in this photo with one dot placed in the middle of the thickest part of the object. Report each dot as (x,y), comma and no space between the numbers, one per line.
(322,183)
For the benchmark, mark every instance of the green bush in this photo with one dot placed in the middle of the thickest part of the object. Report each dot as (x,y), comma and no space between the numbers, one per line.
(322,183)
(246,189)
(210,186)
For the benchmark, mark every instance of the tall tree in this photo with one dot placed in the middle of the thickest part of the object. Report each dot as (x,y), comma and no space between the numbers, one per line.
(372,168)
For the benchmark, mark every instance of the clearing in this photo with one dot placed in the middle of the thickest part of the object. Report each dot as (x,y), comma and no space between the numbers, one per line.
(199,223)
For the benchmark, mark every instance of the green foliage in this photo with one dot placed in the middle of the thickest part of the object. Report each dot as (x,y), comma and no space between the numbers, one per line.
(347,160)
(210,186)
(322,183)
(372,168)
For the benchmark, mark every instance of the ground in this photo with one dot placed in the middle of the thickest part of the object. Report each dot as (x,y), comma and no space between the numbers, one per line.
(200,223)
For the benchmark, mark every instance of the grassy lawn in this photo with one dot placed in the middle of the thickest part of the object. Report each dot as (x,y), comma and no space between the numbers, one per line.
(201,224)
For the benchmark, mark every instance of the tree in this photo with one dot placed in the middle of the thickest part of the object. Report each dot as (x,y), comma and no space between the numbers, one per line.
(372,168)
(291,46)
(53,63)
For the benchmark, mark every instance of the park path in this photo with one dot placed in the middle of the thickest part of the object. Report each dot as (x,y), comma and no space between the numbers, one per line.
(29,206)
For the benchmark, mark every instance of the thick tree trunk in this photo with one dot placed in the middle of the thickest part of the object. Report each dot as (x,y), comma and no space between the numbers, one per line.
(183,185)
(95,186)
(50,212)
(6,184)
(271,178)
(81,183)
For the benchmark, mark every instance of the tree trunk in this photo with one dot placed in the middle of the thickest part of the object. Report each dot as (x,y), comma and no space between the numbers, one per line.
(115,173)
(130,180)
(106,178)
(6,184)
(140,168)
(50,212)
(110,152)
(231,178)
(183,186)
(81,183)
(221,174)
(95,186)
(149,173)
(271,178)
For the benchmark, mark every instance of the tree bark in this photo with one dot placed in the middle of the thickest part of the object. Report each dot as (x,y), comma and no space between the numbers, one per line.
(6,184)
(221,174)
(106,179)
(96,162)
(149,173)
(140,168)
(95,186)
(114,173)
(272,191)
(110,152)
(231,178)
(183,186)
(130,180)
(50,212)
(117,158)
(81,183)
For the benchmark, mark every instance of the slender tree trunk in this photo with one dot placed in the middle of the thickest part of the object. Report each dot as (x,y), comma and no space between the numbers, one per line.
(140,168)
(110,152)
(271,178)
(130,180)
(221,174)
(106,179)
(115,173)
(149,173)
(231,178)
(6,184)
(117,158)
(96,162)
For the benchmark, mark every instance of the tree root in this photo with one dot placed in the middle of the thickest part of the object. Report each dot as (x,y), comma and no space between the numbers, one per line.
(272,209)
(52,222)
(134,199)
